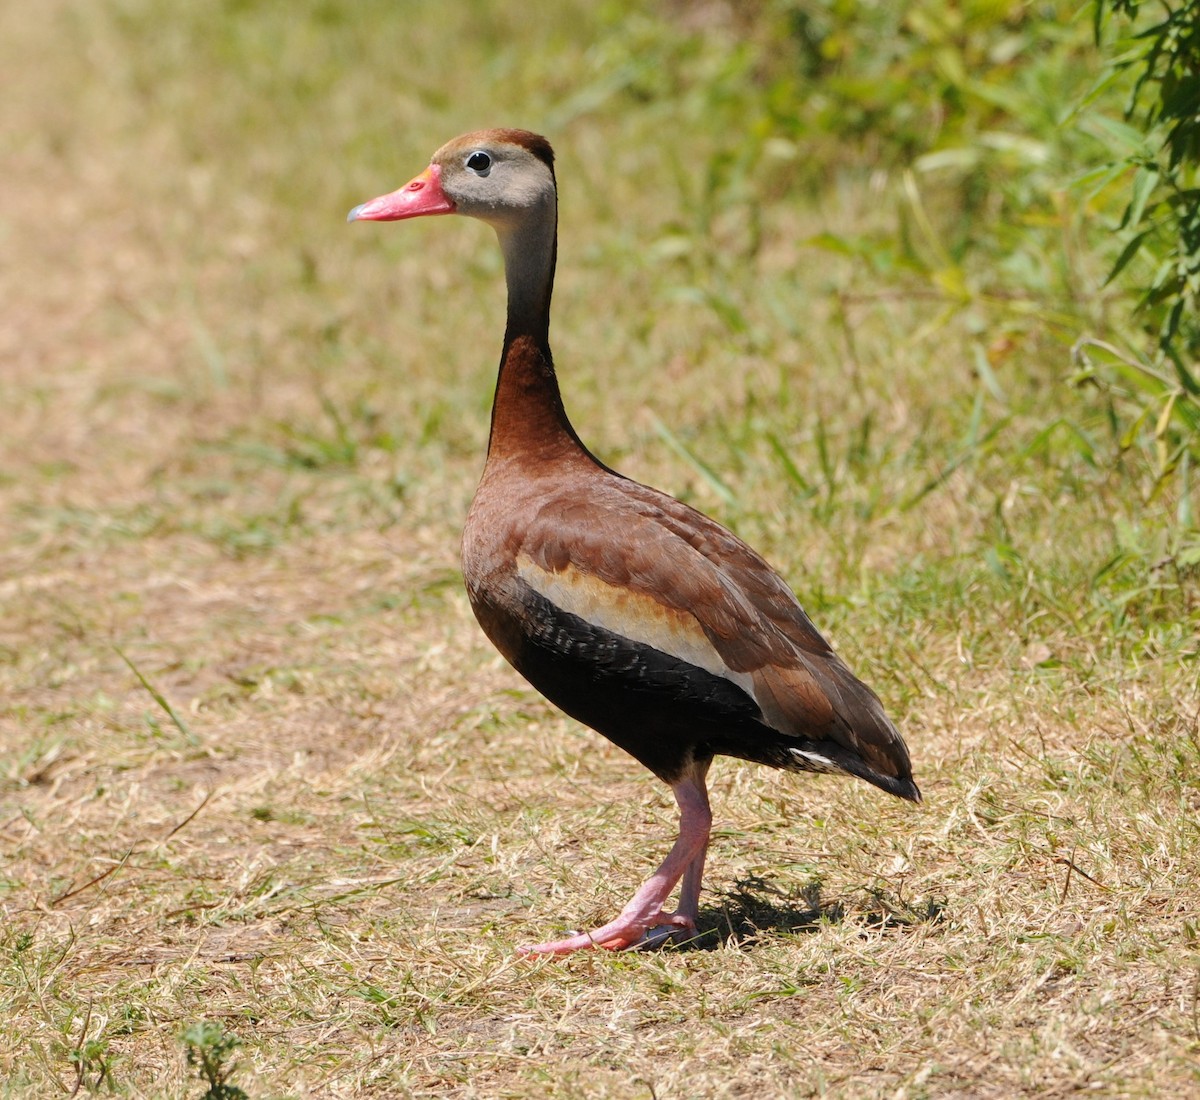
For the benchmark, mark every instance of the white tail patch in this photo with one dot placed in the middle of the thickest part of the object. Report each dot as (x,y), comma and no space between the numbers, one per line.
(815,760)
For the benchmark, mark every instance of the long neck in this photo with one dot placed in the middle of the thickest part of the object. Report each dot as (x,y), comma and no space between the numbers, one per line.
(528,418)
(530,249)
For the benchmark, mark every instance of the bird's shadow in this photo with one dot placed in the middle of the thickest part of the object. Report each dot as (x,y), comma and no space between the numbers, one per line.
(755,907)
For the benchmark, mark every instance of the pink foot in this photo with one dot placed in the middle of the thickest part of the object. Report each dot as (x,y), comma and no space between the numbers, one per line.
(623,934)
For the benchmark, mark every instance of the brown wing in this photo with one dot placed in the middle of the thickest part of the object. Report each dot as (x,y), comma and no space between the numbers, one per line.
(654,569)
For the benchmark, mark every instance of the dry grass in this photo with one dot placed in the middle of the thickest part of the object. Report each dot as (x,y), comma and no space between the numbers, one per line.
(259,767)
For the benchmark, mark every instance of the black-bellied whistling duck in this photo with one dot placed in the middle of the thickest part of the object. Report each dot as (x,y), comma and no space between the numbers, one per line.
(634,613)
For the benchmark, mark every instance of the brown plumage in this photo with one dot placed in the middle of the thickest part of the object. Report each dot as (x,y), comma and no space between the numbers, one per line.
(634,613)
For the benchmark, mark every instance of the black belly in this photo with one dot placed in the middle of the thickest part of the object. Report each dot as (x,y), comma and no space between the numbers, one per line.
(662,710)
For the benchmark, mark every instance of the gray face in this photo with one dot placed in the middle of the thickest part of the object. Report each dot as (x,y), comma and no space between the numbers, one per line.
(497,182)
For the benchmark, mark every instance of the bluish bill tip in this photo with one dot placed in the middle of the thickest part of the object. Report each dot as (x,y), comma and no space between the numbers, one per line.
(353,215)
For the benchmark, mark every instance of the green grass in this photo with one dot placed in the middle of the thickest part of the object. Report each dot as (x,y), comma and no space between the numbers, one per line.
(262,779)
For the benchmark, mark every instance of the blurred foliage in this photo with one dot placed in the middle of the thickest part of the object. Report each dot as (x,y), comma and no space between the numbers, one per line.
(972,112)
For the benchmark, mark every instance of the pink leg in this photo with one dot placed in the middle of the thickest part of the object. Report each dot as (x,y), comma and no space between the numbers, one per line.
(686,912)
(644,914)
(689,890)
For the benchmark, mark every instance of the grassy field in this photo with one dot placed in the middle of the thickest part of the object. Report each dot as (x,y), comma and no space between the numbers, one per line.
(260,771)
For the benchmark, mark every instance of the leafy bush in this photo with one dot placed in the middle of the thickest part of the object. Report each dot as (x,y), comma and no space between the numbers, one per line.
(1164,210)
(1161,253)
(1045,173)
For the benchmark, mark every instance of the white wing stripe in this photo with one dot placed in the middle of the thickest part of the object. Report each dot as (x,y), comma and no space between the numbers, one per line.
(632,615)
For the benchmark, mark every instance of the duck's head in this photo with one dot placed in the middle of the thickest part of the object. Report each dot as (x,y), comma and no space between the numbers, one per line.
(498,176)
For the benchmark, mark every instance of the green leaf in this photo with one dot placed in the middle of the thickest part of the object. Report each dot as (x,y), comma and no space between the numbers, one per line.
(1145,179)
(1131,249)
(1127,137)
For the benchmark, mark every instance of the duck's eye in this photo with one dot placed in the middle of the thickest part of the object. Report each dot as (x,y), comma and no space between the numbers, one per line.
(479,162)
